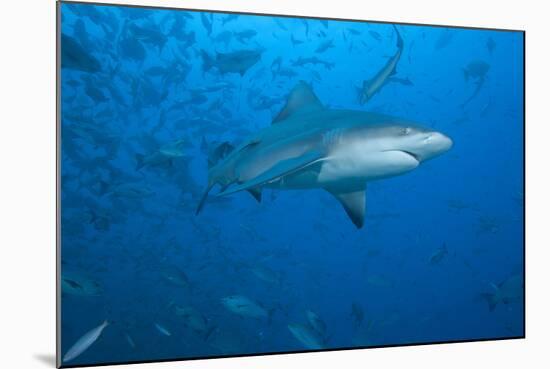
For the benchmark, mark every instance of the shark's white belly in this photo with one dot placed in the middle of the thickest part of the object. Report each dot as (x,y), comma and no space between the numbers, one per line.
(349,168)
(366,167)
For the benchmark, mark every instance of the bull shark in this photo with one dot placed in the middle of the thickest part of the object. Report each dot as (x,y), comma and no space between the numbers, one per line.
(310,146)
(372,86)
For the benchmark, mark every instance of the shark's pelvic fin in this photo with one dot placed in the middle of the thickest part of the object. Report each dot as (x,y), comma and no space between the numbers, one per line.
(279,170)
(256,193)
(301,97)
(353,202)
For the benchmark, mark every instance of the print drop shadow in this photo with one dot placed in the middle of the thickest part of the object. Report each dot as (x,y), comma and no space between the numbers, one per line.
(48,359)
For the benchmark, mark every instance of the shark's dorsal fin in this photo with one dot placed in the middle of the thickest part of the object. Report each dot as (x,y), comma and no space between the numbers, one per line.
(301,97)
(353,202)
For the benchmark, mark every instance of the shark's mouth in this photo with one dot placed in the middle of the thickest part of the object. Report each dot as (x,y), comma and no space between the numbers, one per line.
(408,153)
(413,155)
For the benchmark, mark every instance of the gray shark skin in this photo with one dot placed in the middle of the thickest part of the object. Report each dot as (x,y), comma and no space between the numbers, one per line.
(309,146)
(372,86)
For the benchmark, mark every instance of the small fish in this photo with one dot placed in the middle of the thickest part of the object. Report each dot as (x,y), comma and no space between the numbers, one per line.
(207,23)
(508,291)
(324,46)
(285,72)
(301,61)
(267,275)
(277,62)
(444,39)
(307,336)
(477,70)
(244,306)
(95,94)
(175,149)
(280,23)
(316,323)
(162,330)
(154,160)
(84,342)
(357,313)
(375,35)
(487,225)
(403,81)
(246,35)
(306,25)
(132,191)
(224,37)
(232,62)
(438,255)
(192,318)
(130,340)
(79,285)
(131,48)
(490,44)
(229,18)
(149,35)
(74,56)
(176,277)
(295,41)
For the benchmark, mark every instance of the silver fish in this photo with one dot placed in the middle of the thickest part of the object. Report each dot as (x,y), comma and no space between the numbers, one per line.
(84,342)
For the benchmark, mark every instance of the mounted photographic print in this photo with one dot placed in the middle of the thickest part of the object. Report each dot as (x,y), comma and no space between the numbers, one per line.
(244,184)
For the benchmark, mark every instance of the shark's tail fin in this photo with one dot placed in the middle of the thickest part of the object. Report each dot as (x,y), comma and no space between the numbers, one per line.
(215,155)
(399,39)
(203,198)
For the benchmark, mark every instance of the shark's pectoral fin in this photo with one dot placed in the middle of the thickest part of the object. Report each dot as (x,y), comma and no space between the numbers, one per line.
(256,193)
(279,170)
(353,202)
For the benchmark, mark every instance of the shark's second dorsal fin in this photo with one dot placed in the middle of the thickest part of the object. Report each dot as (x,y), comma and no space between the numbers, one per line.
(301,97)
(219,152)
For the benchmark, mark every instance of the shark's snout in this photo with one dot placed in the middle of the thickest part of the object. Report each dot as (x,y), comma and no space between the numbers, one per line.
(440,142)
(435,143)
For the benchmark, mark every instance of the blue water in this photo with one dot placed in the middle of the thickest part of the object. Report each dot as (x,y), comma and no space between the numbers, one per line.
(135,252)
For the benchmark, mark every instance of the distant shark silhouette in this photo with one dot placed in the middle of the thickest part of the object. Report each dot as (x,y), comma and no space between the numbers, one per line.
(310,146)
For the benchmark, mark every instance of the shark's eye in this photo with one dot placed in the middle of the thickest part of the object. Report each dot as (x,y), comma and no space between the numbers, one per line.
(405,131)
